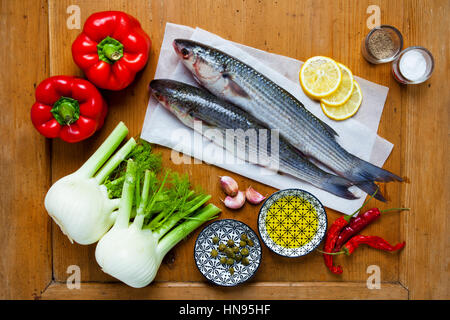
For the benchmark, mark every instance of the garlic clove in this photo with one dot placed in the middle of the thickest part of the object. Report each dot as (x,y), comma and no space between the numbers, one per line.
(235,202)
(253,196)
(229,186)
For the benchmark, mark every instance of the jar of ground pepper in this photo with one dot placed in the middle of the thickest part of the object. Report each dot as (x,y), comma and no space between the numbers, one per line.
(382,44)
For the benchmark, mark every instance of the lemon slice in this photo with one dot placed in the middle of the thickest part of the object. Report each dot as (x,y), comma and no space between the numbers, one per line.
(344,92)
(320,77)
(346,110)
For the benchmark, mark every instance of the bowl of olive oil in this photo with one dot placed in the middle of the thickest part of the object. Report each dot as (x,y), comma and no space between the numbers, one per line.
(292,222)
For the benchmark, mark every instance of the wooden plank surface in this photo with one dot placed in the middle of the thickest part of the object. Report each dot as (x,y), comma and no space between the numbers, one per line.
(25,257)
(251,28)
(415,120)
(204,291)
(424,266)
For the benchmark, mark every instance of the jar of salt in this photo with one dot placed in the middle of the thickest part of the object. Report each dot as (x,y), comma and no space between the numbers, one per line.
(413,65)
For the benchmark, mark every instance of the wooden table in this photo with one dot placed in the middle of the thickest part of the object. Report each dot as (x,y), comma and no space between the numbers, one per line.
(36,43)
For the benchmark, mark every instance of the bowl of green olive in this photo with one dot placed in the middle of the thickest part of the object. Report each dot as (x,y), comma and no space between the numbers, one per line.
(227,252)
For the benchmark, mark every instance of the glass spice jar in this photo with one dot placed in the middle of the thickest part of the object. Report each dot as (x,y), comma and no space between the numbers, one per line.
(414,65)
(382,44)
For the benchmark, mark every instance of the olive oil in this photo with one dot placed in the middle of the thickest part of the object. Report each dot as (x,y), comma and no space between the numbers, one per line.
(291,222)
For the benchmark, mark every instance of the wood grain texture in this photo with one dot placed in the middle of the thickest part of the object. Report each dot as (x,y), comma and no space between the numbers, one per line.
(25,259)
(425,264)
(203,291)
(255,24)
(415,120)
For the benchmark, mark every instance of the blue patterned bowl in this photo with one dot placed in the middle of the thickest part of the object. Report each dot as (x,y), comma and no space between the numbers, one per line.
(211,267)
(292,222)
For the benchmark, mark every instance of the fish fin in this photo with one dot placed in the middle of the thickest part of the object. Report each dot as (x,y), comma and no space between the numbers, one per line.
(234,87)
(364,171)
(196,78)
(370,187)
(338,186)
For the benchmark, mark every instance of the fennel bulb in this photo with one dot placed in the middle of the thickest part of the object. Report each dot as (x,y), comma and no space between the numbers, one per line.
(79,202)
(120,246)
(132,252)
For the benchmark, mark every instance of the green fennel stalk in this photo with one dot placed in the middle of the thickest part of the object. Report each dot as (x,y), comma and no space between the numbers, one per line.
(133,249)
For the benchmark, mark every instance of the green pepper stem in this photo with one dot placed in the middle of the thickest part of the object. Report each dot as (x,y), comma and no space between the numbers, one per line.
(333,253)
(66,111)
(347,218)
(110,50)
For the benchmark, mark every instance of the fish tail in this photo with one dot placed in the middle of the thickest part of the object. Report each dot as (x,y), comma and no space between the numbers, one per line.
(338,186)
(369,187)
(364,171)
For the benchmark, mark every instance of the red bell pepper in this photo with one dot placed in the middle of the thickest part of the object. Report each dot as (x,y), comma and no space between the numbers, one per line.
(111,49)
(68,107)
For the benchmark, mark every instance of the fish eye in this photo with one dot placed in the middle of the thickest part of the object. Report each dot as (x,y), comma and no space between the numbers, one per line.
(185,52)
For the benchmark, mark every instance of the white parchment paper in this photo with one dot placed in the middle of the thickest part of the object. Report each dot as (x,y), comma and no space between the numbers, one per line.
(358,134)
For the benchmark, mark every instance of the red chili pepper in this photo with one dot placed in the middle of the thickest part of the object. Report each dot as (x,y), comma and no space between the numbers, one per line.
(332,237)
(111,49)
(330,241)
(68,107)
(358,223)
(372,241)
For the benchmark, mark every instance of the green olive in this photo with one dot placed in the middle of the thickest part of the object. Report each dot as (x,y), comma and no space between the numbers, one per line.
(238,257)
(242,243)
(231,270)
(223,260)
(235,249)
(244,237)
(230,243)
(245,252)
(250,242)
(231,255)
(230,261)
(245,261)
(215,240)
(222,247)
(214,253)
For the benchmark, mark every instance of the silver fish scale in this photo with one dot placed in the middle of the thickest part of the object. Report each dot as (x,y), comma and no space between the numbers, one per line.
(311,137)
(222,115)
(238,83)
